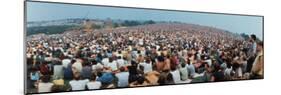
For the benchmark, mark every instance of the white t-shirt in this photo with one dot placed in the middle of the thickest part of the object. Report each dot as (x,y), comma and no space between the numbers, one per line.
(112,65)
(121,62)
(209,62)
(123,78)
(239,72)
(94,85)
(45,87)
(254,48)
(176,76)
(184,73)
(147,67)
(65,62)
(78,84)
(143,53)
(227,72)
(131,38)
(105,61)
(140,41)
(58,71)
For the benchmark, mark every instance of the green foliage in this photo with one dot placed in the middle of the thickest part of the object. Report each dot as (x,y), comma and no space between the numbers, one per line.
(135,23)
(49,29)
(96,26)
(149,22)
(245,36)
(115,25)
(57,29)
(130,23)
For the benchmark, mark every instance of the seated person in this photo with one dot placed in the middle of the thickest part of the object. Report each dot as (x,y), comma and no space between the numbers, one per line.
(93,84)
(86,70)
(141,81)
(152,77)
(183,72)
(147,65)
(106,78)
(112,65)
(45,85)
(123,77)
(165,78)
(77,83)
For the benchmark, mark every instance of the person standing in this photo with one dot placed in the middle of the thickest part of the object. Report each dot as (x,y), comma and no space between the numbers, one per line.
(251,52)
(257,69)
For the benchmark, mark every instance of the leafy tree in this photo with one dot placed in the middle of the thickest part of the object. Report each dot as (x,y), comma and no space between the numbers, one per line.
(49,29)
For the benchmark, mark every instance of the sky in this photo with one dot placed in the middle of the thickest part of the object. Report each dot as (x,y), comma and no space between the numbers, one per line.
(42,11)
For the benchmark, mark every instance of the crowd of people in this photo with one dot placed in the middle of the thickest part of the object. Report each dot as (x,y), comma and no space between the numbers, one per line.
(145,55)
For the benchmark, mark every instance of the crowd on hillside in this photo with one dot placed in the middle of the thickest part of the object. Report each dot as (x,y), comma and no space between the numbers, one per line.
(157,54)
